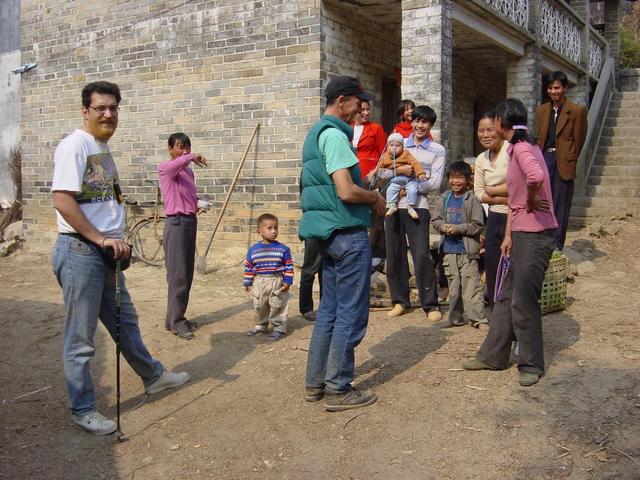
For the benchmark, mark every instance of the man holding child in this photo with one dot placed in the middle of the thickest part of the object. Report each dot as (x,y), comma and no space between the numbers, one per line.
(401,227)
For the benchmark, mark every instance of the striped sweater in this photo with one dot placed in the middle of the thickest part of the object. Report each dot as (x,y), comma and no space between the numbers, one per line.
(268,259)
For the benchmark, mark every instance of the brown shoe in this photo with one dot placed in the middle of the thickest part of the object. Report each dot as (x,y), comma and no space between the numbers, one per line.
(354,398)
(397,310)
(476,364)
(313,394)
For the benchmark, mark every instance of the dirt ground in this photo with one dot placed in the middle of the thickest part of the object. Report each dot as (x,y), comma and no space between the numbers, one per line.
(242,415)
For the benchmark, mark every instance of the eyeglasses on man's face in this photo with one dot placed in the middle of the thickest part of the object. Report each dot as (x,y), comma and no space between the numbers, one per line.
(102,110)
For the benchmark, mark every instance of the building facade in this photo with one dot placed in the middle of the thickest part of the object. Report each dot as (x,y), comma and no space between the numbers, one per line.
(9,94)
(214,69)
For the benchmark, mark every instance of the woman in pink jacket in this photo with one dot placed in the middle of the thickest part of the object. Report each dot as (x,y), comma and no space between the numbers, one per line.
(528,244)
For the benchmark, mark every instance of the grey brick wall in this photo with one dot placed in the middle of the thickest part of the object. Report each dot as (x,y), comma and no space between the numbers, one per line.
(475,85)
(363,49)
(427,52)
(210,69)
(524,81)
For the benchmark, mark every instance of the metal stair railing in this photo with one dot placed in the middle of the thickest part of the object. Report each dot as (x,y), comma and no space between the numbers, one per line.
(596,118)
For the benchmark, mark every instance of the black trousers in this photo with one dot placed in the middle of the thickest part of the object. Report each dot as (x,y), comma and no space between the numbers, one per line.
(179,239)
(562,193)
(494,235)
(399,229)
(376,237)
(311,265)
(517,315)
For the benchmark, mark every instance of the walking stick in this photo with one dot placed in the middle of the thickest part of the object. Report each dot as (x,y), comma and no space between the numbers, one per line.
(119,435)
(201,261)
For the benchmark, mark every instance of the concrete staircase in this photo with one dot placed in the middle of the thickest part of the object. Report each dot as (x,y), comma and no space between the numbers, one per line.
(613,184)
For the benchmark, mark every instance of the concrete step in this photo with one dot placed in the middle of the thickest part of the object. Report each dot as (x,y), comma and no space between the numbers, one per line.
(615,159)
(620,141)
(612,181)
(630,113)
(604,202)
(615,171)
(626,95)
(614,191)
(582,216)
(622,131)
(622,119)
(627,103)
(627,130)
(629,149)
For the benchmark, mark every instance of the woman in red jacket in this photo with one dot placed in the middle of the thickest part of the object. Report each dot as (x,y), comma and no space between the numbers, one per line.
(369,140)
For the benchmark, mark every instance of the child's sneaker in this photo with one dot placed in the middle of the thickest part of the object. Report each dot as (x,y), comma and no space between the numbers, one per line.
(412,213)
(275,335)
(391,209)
(255,331)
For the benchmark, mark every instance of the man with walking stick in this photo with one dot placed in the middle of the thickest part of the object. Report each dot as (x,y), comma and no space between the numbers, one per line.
(91,223)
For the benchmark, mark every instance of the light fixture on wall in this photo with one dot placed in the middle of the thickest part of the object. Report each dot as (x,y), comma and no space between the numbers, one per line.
(24,68)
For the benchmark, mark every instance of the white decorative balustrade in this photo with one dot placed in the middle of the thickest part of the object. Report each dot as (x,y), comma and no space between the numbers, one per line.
(597,51)
(515,10)
(560,28)
(560,31)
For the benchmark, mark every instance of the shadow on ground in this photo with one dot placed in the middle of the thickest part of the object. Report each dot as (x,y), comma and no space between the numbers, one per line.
(37,436)
(399,352)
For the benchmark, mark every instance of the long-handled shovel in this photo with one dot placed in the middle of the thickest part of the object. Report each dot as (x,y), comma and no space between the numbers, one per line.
(201,261)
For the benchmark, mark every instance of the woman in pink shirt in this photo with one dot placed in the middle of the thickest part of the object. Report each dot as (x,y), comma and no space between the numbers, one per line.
(528,244)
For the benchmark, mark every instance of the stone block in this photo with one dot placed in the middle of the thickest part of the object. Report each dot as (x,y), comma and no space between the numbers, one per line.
(580,264)
(8,247)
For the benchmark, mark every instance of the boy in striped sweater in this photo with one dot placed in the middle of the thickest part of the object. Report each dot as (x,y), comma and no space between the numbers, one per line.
(268,274)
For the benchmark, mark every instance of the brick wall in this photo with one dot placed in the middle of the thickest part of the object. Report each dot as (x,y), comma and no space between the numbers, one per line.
(479,87)
(524,82)
(427,51)
(211,69)
(363,49)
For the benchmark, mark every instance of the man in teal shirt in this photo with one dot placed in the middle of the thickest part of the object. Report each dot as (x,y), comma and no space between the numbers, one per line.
(337,212)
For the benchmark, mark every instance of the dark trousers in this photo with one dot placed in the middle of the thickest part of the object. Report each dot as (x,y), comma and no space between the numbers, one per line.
(400,228)
(376,237)
(562,193)
(494,235)
(517,315)
(311,265)
(179,255)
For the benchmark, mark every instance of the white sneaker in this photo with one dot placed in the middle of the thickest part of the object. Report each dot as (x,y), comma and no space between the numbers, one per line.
(412,213)
(95,423)
(391,209)
(167,380)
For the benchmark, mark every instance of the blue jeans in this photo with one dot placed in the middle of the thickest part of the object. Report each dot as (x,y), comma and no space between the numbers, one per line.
(344,311)
(89,292)
(411,186)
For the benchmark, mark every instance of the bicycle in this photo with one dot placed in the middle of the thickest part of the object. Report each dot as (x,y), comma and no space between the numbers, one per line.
(146,235)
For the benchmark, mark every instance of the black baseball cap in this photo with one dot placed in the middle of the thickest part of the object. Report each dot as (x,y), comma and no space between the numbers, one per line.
(346,86)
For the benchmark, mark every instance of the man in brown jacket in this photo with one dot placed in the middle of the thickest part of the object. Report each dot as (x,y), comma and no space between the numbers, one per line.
(562,128)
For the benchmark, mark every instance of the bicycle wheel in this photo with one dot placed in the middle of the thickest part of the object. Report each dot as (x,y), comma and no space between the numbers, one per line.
(147,241)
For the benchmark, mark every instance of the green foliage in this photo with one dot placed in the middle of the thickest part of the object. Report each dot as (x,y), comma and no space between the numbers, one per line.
(629,49)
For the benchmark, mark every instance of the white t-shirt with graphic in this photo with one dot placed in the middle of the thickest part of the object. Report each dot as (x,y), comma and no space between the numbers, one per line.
(84,165)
